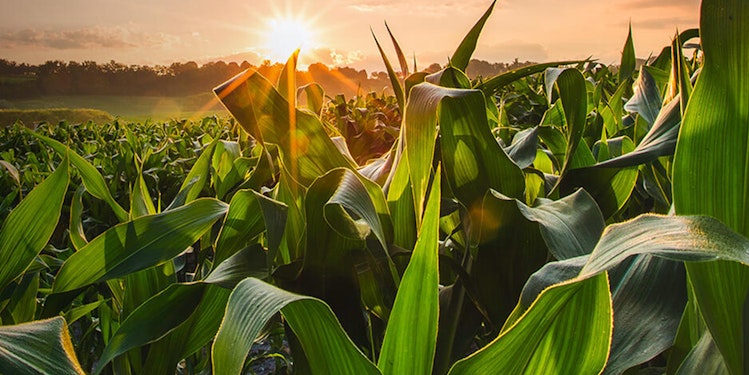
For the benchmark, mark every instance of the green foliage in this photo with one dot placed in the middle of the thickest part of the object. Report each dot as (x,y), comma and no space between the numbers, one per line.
(32,117)
(510,224)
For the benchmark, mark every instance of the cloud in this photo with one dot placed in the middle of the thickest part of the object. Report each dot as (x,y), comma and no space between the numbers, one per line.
(85,38)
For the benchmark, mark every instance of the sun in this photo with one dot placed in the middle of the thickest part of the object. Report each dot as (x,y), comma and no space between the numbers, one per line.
(284,35)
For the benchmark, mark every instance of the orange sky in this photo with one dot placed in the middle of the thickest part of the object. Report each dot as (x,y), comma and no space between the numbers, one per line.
(160,32)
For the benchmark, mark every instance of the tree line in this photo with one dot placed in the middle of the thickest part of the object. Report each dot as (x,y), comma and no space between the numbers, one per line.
(22,81)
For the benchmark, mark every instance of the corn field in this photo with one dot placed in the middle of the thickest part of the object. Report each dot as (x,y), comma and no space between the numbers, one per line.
(563,218)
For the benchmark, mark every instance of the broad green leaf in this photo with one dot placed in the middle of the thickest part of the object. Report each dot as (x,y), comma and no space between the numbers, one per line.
(23,303)
(411,334)
(394,81)
(90,176)
(315,96)
(398,52)
(705,358)
(401,204)
(683,238)
(76,232)
(462,55)
(191,336)
(570,226)
(250,214)
(287,80)
(647,100)
(711,169)
(81,311)
(474,161)
(419,136)
(248,262)
(610,187)
(12,171)
(141,328)
(40,347)
(225,175)
(183,306)
(508,244)
(648,304)
(627,65)
(450,77)
(523,148)
(494,84)
(139,244)
(333,238)
(305,148)
(648,300)
(253,302)
(570,84)
(577,313)
(659,141)
(30,225)
(196,179)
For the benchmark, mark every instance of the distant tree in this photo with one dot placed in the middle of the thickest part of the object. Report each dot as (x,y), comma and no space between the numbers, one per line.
(434,68)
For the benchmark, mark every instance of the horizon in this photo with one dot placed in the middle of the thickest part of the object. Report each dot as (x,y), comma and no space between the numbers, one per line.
(335,33)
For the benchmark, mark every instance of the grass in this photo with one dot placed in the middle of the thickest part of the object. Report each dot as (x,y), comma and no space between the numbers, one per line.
(129,108)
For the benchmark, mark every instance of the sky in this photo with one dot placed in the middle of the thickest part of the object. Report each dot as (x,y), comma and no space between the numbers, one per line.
(335,32)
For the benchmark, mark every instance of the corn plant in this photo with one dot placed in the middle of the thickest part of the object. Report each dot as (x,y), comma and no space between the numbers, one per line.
(516,225)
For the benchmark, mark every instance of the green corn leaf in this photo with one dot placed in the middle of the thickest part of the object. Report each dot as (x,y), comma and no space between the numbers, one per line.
(28,228)
(474,162)
(77,235)
(659,141)
(401,204)
(648,303)
(570,84)
(250,213)
(462,55)
(523,148)
(40,347)
(287,79)
(647,100)
(627,65)
(252,303)
(23,303)
(398,52)
(704,358)
(306,149)
(341,215)
(315,95)
(610,187)
(141,328)
(648,300)
(184,306)
(394,81)
(195,179)
(411,338)
(248,262)
(578,312)
(570,226)
(139,244)
(683,238)
(91,177)
(494,84)
(81,311)
(714,131)
(190,336)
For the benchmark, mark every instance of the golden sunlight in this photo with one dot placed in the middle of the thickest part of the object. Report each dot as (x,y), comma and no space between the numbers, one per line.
(284,35)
